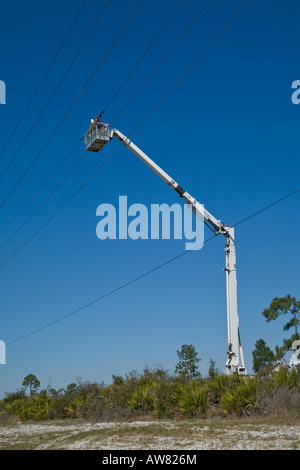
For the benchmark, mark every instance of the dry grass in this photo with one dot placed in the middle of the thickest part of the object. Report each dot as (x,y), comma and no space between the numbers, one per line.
(169,435)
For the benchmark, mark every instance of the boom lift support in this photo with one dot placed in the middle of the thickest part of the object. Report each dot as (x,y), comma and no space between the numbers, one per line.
(95,138)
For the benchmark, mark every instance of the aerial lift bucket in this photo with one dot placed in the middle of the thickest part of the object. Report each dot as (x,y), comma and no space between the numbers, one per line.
(97,136)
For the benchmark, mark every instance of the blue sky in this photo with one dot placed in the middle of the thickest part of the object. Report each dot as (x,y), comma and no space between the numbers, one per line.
(228,133)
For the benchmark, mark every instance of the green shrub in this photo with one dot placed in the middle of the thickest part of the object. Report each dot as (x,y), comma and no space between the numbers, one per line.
(159,394)
(240,398)
(190,399)
(30,408)
(144,397)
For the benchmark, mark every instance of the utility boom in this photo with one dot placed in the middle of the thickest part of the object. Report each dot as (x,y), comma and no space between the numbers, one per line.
(98,135)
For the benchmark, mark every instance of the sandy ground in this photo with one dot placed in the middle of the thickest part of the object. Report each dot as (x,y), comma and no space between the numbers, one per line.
(202,435)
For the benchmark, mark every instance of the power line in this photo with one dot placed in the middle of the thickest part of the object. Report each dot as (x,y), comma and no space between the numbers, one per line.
(40,188)
(111,100)
(74,102)
(191,66)
(114,291)
(105,161)
(143,56)
(43,78)
(59,210)
(43,111)
(47,198)
(268,207)
(147,273)
(161,62)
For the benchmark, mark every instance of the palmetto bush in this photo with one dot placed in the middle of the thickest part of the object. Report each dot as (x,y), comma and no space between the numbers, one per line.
(239,399)
(77,408)
(286,378)
(219,385)
(190,399)
(144,397)
(31,408)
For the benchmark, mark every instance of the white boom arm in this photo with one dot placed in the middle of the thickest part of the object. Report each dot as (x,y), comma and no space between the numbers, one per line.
(98,135)
(235,361)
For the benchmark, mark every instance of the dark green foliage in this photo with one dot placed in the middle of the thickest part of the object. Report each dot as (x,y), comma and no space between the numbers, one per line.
(11,397)
(262,355)
(31,382)
(282,306)
(187,366)
(212,371)
(117,380)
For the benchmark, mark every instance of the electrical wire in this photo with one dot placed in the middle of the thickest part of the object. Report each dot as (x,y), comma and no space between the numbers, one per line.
(73,103)
(268,207)
(110,102)
(113,153)
(114,291)
(44,109)
(143,56)
(162,61)
(43,79)
(40,188)
(147,273)
(45,200)
(59,210)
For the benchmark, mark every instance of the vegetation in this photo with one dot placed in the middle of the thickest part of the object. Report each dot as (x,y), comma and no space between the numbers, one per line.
(31,382)
(263,355)
(157,394)
(187,366)
(282,306)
